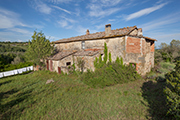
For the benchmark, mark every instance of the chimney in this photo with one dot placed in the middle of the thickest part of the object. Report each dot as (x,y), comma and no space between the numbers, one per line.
(140,33)
(107,29)
(87,32)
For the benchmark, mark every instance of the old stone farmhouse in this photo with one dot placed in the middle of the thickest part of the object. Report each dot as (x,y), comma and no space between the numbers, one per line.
(128,43)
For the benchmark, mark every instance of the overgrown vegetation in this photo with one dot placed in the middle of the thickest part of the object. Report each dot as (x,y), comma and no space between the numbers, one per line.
(108,74)
(168,53)
(80,64)
(167,74)
(173,91)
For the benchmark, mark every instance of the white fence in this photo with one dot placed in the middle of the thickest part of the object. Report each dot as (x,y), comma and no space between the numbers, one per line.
(15,72)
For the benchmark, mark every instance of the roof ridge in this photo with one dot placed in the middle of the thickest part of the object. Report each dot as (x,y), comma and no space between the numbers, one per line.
(100,35)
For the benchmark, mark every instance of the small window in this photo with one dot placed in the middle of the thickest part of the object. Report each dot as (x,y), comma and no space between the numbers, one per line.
(83,44)
(68,63)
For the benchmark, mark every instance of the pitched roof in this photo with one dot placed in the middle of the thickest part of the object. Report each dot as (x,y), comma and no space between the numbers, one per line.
(61,55)
(100,35)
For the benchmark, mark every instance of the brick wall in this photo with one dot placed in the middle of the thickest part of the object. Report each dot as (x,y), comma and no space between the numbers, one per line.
(133,45)
(152,47)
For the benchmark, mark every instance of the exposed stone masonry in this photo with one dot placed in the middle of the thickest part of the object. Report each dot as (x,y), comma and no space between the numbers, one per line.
(128,43)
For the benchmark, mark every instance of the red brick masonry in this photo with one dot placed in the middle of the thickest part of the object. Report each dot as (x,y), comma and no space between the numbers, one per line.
(133,45)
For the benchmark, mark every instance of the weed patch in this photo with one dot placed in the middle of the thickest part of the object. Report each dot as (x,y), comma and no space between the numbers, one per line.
(110,74)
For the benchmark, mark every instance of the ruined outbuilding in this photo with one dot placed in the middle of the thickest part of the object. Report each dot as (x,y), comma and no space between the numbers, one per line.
(128,43)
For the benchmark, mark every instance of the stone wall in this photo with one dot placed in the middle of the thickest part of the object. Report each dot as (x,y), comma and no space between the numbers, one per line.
(131,49)
(62,64)
(89,62)
(69,46)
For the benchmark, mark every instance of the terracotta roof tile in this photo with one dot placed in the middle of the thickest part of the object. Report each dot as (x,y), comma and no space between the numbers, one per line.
(61,55)
(100,35)
(149,38)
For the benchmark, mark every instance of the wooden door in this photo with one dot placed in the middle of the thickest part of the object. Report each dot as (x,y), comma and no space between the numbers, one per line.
(51,65)
(59,70)
(47,64)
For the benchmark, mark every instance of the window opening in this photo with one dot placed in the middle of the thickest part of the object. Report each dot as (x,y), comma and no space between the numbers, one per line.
(83,44)
(68,63)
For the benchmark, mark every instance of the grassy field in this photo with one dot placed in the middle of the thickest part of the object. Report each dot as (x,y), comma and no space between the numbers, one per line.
(29,97)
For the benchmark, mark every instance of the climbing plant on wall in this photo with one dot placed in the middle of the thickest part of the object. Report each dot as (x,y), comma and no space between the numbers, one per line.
(98,63)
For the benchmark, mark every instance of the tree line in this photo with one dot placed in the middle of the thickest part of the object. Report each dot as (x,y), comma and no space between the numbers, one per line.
(171,53)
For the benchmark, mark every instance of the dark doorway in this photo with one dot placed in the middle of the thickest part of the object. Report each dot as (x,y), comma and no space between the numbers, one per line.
(47,64)
(51,65)
(59,70)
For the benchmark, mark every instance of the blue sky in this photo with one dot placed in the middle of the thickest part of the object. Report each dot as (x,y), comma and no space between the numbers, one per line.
(57,19)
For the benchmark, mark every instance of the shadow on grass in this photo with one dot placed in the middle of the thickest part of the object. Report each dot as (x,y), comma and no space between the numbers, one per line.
(13,108)
(5,82)
(153,93)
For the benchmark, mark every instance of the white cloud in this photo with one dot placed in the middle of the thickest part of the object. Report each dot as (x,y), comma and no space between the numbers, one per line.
(9,19)
(52,38)
(82,31)
(145,11)
(63,23)
(161,22)
(100,26)
(13,36)
(59,1)
(61,9)
(101,13)
(19,30)
(12,26)
(66,23)
(43,8)
(20,40)
(102,8)
(68,19)
(106,2)
(77,12)
(162,28)
(111,20)
(164,37)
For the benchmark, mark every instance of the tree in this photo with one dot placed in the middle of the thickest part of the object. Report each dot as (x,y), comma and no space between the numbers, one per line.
(172,91)
(39,48)
(105,53)
(16,60)
(175,44)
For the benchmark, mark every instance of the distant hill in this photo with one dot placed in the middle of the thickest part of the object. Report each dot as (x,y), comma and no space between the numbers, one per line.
(13,47)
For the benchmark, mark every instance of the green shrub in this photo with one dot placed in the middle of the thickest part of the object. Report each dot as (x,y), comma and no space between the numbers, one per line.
(167,65)
(105,53)
(110,74)
(17,66)
(172,91)
(110,59)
